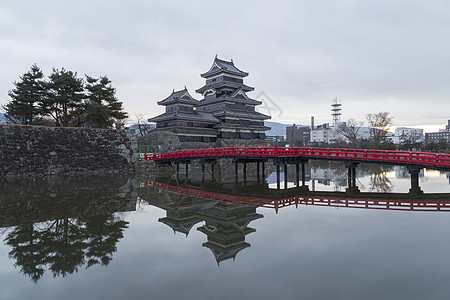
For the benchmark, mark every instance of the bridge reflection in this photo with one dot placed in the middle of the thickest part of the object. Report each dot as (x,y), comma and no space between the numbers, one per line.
(277,199)
(227,213)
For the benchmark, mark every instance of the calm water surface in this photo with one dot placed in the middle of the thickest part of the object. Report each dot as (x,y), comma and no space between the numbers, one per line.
(120,238)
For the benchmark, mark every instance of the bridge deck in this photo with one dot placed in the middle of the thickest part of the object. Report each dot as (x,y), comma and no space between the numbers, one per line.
(362,155)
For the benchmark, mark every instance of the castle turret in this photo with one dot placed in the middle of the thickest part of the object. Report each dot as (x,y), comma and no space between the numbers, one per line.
(181,118)
(224,112)
(225,97)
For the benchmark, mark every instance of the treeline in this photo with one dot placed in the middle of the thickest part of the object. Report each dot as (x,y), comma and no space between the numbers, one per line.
(63,99)
(442,146)
(348,135)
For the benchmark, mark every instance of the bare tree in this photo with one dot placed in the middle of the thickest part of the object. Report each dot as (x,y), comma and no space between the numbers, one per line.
(350,131)
(142,125)
(412,140)
(379,124)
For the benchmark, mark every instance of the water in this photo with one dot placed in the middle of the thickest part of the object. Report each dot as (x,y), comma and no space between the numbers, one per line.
(95,238)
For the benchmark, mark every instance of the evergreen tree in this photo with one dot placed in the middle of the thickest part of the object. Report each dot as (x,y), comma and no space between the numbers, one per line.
(102,108)
(26,97)
(65,94)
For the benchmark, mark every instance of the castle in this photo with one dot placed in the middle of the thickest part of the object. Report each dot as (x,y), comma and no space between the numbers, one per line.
(225,111)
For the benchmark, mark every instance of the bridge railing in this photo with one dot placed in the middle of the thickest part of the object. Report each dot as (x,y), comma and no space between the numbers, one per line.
(425,158)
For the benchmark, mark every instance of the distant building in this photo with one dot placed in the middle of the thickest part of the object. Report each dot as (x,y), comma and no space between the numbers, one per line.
(440,135)
(321,134)
(407,135)
(224,112)
(437,136)
(296,133)
(275,138)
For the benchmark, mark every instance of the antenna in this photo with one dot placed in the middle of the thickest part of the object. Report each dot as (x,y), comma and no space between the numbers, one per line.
(336,111)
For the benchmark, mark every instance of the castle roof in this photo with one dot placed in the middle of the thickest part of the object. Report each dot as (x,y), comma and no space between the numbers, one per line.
(224,66)
(218,85)
(180,115)
(182,225)
(181,96)
(241,114)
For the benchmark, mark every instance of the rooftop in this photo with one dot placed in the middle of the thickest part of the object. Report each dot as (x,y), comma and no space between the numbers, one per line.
(181,96)
(220,65)
(180,115)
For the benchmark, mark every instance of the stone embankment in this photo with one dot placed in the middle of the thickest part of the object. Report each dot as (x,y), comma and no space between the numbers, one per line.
(33,151)
(167,141)
(46,151)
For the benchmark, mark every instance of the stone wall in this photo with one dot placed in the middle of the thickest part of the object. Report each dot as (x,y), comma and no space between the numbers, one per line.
(45,151)
(160,141)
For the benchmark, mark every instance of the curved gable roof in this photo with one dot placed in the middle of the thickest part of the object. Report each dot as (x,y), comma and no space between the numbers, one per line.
(181,96)
(220,65)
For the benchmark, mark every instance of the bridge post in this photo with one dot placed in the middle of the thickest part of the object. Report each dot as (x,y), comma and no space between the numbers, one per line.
(257,172)
(285,176)
(245,173)
(263,171)
(203,171)
(414,172)
(187,169)
(303,174)
(278,176)
(236,174)
(297,175)
(351,176)
(178,170)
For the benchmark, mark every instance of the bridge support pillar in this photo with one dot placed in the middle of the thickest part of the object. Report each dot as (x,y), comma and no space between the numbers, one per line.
(203,171)
(303,174)
(187,169)
(178,170)
(263,171)
(414,172)
(297,175)
(278,176)
(351,177)
(236,173)
(257,172)
(245,173)
(285,176)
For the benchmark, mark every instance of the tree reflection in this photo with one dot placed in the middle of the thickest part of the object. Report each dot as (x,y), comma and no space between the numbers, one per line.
(27,250)
(64,224)
(65,245)
(379,181)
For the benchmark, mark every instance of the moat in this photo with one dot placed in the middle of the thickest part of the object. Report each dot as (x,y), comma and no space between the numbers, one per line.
(194,238)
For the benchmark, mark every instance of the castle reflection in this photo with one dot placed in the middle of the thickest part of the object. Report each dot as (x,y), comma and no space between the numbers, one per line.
(227,212)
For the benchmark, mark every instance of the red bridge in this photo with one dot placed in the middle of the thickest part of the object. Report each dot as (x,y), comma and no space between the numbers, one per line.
(362,155)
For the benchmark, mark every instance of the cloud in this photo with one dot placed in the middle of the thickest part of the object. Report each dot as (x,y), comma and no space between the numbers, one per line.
(374,56)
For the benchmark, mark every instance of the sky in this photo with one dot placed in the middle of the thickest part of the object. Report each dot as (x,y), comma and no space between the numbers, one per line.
(373,56)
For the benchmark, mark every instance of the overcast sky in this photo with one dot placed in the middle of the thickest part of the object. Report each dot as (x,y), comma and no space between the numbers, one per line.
(384,55)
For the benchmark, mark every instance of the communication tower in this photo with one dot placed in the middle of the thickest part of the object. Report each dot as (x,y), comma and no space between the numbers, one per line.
(336,111)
